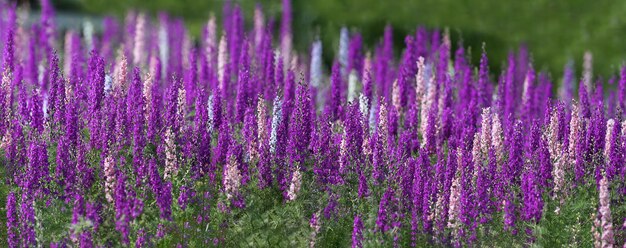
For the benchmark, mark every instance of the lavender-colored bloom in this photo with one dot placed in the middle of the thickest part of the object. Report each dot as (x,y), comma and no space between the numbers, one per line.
(9,42)
(164,200)
(467,211)
(355,56)
(141,238)
(382,63)
(235,37)
(357,232)
(223,143)
(243,99)
(613,151)
(513,169)
(135,105)
(354,133)
(483,186)
(191,79)
(382,221)
(184,196)
(36,112)
(86,239)
(92,210)
(299,127)
(531,183)
(12,223)
(24,111)
(368,86)
(567,87)
(27,217)
(122,208)
(621,89)
(65,174)
(333,102)
(509,210)
(289,89)
(48,25)
(331,207)
(326,154)
(155,121)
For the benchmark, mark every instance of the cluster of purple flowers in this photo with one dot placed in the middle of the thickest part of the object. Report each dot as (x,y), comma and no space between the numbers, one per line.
(131,120)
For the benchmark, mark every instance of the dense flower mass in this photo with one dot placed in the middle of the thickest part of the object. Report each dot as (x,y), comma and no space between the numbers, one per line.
(142,134)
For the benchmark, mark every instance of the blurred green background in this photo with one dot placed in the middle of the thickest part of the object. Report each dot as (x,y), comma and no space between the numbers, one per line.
(554,30)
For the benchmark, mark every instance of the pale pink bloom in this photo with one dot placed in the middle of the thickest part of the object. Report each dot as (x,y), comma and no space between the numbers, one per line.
(555,147)
(109,177)
(427,103)
(343,150)
(211,43)
(605,214)
(446,38)
(222,61)
(180,110)
(576,129)
(454,209)
(610,125)
(623,132)
(383,125)
(438,211)
(497,139)
(147,91)
(6,140)
(69,90)
(140,41)
(420,79)
(259,25)
(296,67)
(186,49)
(558,175)
(232,177)
(7,77)
(67,55)
(595,229)
(315,225)
(296,183)
(285,50)
(485,132)
(395,96)
(261,115)
(477,155)
(527,85)
(121,71)
(171,161)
